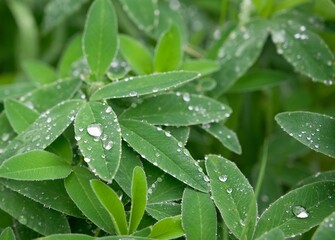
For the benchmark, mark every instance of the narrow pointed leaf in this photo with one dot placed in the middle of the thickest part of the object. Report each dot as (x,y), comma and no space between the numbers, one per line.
(73,236)
(233,195)
(138,198)
(198,215)
(169,51)
(44,130)
(35,165)
(7,234)
(304,49)
(102,147)
(203,66)
(299,210)
(39,72)
(15,90)
(183,109)
(79,189)
(32,214)
(274,234)
(312,129)
(100,40)
(164,151)
(167,228)
(163,210)
(180,133)
(110,200)
(142,85)
(19,115)
(326,230)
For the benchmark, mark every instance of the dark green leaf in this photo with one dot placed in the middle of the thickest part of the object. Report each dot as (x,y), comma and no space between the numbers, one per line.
(326,230)
(7,234)
(73,236)
(167,228)
(39,72)
(274,234)
(318,177)
(6,132)
(180,133)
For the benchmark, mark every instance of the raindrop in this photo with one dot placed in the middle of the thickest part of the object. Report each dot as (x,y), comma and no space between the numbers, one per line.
(94,129)
(155,90)
(206,178)
(157,154)
(49,120)
(155,163)
(223,178)
(168,134)
(77,138)
(229,190)
(5,137)
(133,94)
(108,145)
(108,109)
(86,159)
(300,212)
(22,220)
(186,97)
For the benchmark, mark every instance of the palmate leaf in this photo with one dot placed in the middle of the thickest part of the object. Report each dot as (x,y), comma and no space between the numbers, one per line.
(181,109)
(167,228)
(233,196)
(100,40)
(326,230)
(164,151)
(299,210)
(99,139)
(142,85)
(312,129)
(198,216)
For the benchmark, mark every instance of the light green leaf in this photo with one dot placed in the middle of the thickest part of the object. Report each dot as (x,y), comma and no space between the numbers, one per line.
(63,148)
(78,187)
(47,96)
(325,9)
(19,115)
(100,40)
(280,5)
(181,109)
(73,236)
(72,53)
(15,90)
(163,210)
(99,139)
(198,216)
(6,132)
(44,130)
(164,151)
(56,11)
(264,7)
(143,13)
(274,234)
(304,49)
(123,238)
(142,85)
(226,136)
(35,166)
(39,72)
(240,51)
(110,200)
(312,129)
(203,66)
(318,177)
(32,214)
(138,198)
(233,196)
(136,54)
(299,210)
(180,133)
(326,230)
(7,234)
(51,194)
(169,50)
(167,228)
(129,160)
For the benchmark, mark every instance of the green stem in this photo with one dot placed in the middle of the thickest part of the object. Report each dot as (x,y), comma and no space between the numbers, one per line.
(264,159)
(223,11)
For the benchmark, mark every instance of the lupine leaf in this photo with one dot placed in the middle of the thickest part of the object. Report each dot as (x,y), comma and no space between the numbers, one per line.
(39,72)
(163,210)
(167,228)
(326,230)
(7,234)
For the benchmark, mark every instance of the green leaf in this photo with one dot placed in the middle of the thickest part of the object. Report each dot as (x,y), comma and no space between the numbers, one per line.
(325,9)
(56,11)
(180,133)
(181,109)
(198,215)
(143,13)
(305,50)
(78,187)
(73,236)
(318,177)
(169,51)
(299,210)
(163,210)
(274,234)
(39,72)
(7,234)
(264,7)
(240,51)
(164,151)
(19,115)
(167,228)
(138,198)
(136,54)
(47,96)
(15,90)
(203,66)
(233,196)
(35,165)
(226,136)
(51,194)
(6,132)
(280,5)
(100,40)
(32,214)
(326,230)
(129,160)
(312,129)
(123,238)
(142,85)
(72,53)
(44,130)
(99,139)
(62,147)
(110,200)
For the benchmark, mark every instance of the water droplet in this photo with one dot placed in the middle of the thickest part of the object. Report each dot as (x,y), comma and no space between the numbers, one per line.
(108,145)
(206,178)
(186,97)
(108,109)
(5,137)
(49,120)
(229,190)
(77,138)
(94,129)
(155,163)
(157,154)
(223,178)
(300,212)
(168,134)
(86,159)
(81,129)
(22,219)
(155,90)
(133,94)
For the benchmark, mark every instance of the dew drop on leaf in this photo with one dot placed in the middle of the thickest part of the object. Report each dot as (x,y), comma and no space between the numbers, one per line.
(94,129)
(186,97)
(108,109)
(223,178)
(86,159)
(300,212)
(108,145)
(229,190)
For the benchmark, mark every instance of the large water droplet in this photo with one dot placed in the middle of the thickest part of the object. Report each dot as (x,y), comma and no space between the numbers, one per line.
(108,145)
(186,97)
(86,159)
(300,212)
(94,129)
(223,178)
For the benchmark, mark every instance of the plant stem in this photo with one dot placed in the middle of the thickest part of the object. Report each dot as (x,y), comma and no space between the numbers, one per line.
(223,11)
(264,159)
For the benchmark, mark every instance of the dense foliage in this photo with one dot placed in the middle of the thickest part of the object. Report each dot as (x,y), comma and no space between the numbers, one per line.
(118,118)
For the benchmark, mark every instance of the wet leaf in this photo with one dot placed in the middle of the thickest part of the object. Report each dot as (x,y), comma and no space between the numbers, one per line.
(167,228)
(326,230)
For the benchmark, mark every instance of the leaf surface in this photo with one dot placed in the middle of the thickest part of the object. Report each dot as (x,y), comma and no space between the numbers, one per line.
(15,90)
(39,72)
(163,210)
(326,230)
(72,236)
(7,234)
(167,228)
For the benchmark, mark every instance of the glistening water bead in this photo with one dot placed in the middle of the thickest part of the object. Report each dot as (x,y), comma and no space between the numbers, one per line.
(94,129)
(300,212)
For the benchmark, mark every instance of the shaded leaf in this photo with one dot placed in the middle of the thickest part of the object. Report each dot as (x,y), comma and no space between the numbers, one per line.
(326,230)
(7,234)
(15,90)
(73,236)
(163,210)
(167,228)
(142,85)
(6,132)
(203,66)
(318,177)
(274,234)
(39,72)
